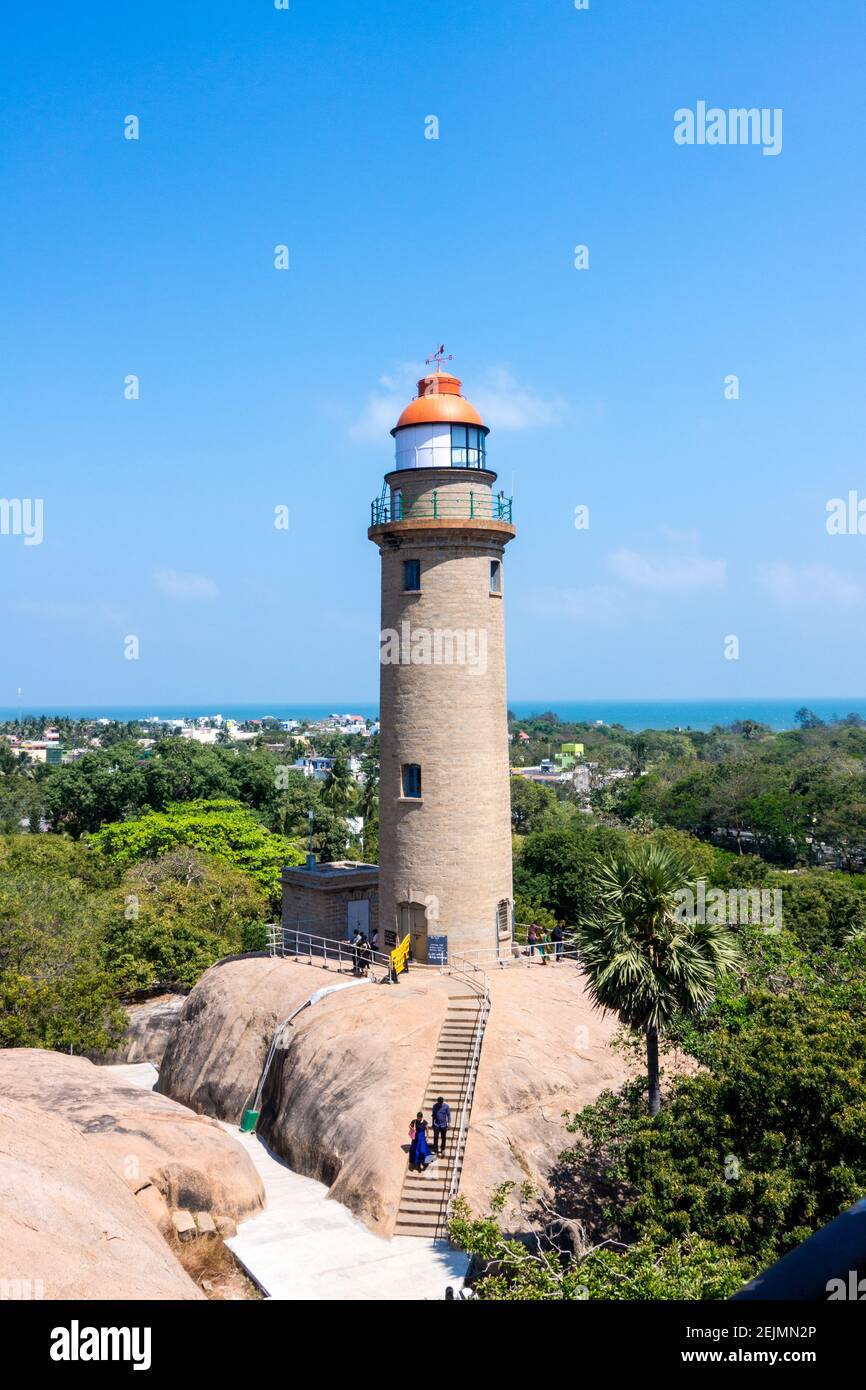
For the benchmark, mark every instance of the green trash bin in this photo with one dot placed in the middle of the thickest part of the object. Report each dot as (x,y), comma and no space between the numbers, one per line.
(249,1121)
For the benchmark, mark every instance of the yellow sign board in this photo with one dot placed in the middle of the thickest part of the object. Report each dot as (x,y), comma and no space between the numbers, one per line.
(400,955)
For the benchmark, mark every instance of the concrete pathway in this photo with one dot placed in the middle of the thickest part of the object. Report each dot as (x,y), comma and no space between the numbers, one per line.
(143,1074)
(304,1246)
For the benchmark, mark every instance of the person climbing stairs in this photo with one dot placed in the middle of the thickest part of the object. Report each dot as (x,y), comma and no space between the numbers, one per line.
(424,1198)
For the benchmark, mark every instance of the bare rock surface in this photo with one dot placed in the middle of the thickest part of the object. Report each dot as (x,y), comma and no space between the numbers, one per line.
(340,1094)
(150,1026)
(147,1139)
(68,1224)
(546,1050)
(215,1056)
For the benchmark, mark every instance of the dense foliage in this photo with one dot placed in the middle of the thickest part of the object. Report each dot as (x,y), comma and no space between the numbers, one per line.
(54,988)
(770,1145)
(81,929)
(224,829)
(524,1271)
(162,855)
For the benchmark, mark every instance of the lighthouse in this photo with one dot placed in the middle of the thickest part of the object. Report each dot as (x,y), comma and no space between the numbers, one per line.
(442,526)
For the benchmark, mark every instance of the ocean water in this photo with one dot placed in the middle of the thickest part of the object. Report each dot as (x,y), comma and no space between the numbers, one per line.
(632,714)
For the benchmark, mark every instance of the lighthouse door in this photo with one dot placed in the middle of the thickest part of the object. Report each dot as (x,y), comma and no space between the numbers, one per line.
(413,920)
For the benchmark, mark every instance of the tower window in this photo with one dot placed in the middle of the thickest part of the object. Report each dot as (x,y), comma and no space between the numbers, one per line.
(503,919)
(496,576)
(411,780)
(411,576)
(467,447)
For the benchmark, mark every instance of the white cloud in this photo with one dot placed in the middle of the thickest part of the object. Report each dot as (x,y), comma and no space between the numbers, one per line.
(813,584)
(596,605)
(80,612)
(176,584)
(384,406)
(378,417)
(506,405)
(666,573)
(502,401)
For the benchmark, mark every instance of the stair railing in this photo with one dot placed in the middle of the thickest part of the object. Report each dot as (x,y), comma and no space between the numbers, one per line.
(477,981)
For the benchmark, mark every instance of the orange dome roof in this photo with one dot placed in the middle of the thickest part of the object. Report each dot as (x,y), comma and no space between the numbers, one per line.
(439,400)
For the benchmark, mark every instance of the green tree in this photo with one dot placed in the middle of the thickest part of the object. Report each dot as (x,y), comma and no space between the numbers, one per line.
(174,916)
(555,866)
(517,1271)
(337,791)
(54,988)
(368,809)
(224,829)
(640,958)
(530,802)
(772,1144)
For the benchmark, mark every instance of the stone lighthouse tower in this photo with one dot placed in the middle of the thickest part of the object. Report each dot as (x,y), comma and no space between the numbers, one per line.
(444,794)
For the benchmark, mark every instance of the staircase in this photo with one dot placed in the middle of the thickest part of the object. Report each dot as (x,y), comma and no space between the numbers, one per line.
(425,1196)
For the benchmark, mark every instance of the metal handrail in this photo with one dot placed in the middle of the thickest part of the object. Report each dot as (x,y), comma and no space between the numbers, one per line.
(466,971)
(450,506)
(472,975)
(313,943)
(309,944)
(567,951)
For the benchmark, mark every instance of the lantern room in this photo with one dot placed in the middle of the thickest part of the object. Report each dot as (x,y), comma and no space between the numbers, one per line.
(439,428)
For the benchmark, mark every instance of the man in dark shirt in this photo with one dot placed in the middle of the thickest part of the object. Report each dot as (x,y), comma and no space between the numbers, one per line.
(441,1121)
(557,937)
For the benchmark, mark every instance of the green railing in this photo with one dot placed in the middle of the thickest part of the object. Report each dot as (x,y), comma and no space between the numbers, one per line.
(447,506)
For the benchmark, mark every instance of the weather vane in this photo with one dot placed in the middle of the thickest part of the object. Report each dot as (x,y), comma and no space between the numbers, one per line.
(439,357)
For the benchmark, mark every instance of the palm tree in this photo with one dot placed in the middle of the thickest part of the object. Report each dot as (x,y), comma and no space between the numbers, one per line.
(337,789)
(642,959)
(368,808)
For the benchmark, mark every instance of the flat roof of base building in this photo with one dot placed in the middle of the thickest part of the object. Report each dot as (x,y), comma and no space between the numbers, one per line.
(336,873)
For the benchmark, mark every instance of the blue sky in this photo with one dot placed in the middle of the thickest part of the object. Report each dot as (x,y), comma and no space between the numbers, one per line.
(260,387)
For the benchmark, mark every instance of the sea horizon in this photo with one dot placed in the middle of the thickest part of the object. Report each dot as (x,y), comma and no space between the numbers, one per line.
(634,715)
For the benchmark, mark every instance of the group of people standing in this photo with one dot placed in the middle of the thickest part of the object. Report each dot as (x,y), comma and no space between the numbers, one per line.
(362,951)
(419,1147)
(545,948)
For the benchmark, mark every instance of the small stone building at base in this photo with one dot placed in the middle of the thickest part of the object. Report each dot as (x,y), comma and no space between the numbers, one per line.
(331,900)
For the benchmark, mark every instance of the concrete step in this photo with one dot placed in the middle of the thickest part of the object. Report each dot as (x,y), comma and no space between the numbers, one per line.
(424,1196)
